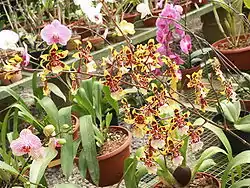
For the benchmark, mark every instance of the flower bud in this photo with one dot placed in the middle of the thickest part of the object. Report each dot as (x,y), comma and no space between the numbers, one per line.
(61,141)
(65,126)
(49,130)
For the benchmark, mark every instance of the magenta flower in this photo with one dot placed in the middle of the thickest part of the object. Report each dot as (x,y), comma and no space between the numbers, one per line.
(186,44)
(56,33)
(27,143)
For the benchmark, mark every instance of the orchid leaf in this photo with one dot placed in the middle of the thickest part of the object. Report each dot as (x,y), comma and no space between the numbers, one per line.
(206,155)
(67,154)
(56,90)
(242,158)
(38,167)
(243,124)
(89,147)
(206,164)
(241,183)
(247,3)
(231,110)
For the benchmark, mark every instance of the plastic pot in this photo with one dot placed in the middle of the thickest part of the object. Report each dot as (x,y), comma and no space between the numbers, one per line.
(236,144)
(238,56)
(130,17)
(150,22)
(198,175)
(15,78)
(111,165)
(245,104)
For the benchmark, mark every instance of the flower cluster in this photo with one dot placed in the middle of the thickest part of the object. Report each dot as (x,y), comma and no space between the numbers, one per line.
(200,90)
(169,30)
(227,84)
(158,118)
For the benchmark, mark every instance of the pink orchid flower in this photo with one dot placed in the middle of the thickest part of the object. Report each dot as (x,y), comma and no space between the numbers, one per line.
(25,57)
(56,33)
(27,143)
(186,44)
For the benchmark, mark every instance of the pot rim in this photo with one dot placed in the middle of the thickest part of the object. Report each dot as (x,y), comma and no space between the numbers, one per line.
(231,51)
(208,175)
(119,149)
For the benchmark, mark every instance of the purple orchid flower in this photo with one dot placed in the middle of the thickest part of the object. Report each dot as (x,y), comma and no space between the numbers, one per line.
(186,44)
(56,33)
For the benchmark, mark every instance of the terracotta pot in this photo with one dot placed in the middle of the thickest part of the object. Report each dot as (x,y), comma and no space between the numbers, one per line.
(236,144)
(200,1)
(245,104)
(238,56)
(186,72)
(16,77)
(198,175)
(96,41)
(111,165)
(186,5)
(130,17)
(71,45)
(150,22)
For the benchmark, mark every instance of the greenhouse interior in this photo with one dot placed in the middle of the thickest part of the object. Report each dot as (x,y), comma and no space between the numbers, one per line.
(124,93)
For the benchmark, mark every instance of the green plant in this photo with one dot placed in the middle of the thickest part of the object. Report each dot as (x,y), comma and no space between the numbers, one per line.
(234,21)
(94,104)
(195,58)
(231,112)
(134,171)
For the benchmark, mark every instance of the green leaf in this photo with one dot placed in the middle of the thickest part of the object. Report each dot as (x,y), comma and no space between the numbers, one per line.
(113,103)
(199,52)
(183,150)
(241,183)
(206,155)
(16,96)
(243,124)
(97,94)
(67,185)
(87,86)
(56,90)
(82,164)
(220,134)
(130,165)
(84,101)
(51,110)
(247,3)
(206,164)
(231,110)
(38,167)
(4,129)
(37,91)
(242,158)
(89,147)
(67,154)
(10,169)
(108,119)
(27,116)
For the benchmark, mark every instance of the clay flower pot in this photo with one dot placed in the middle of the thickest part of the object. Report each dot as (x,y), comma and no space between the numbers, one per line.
(198,176)
(130,17)
(200,1)
(71,45)
(236,144)
(96,41)
(185,72)
(150,22)
(245,104)
(238,56)
(111,164)
(15,77)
